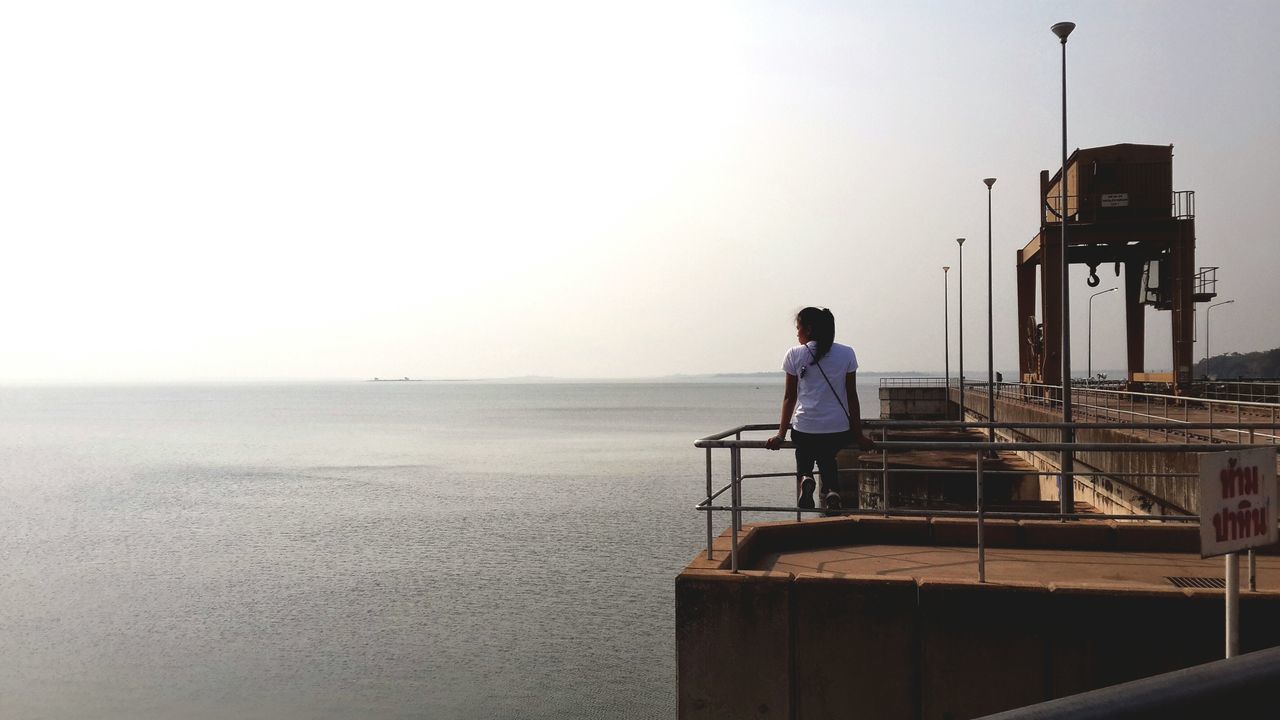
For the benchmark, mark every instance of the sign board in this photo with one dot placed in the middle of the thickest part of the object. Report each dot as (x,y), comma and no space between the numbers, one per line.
(1237,500)
(1115,199)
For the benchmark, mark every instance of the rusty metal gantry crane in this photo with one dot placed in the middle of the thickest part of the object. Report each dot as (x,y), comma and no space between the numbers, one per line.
(1122,210)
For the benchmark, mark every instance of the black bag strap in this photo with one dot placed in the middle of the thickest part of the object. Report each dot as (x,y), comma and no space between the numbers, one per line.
(833,387)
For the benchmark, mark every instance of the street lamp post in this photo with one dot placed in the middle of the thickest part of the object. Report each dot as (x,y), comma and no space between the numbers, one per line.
(1091,297)
(1206,334)
(960,321)
(1066,491)
(991,355)
(946,335)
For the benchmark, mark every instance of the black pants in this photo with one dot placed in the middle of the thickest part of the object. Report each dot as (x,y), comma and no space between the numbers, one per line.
(820,448)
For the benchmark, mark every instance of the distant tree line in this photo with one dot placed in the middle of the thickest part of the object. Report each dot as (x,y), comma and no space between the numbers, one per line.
(1262,364)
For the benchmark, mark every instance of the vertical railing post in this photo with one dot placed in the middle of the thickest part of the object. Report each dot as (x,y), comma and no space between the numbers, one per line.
(799,488)
(982,548)
(710,538)
(796,494)
(884,471)
(1233,605)
(736,479)
(1210,421)
(734,459)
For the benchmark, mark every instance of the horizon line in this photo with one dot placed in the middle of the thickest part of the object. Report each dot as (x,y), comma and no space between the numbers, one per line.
(400,378)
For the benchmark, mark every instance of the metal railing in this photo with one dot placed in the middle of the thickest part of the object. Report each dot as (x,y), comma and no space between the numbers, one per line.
(1182,203)
(1223,420)
(1207,280)
(1259,391)
(915,381)
(734,443)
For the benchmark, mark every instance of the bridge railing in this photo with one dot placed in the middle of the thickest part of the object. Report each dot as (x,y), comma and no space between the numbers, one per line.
(911,381)
(1218,420)
(735,441)
(1262,391)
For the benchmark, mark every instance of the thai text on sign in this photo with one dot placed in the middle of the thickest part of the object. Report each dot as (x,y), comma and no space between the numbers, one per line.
(1237,500)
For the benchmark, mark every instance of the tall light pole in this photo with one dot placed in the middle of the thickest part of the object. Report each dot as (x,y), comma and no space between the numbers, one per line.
(946,334)
(1206,334)
(960,320)
(1066,492)
(1091,297)
(991,352)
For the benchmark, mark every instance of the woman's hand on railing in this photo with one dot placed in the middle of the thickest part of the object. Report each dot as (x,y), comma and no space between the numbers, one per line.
(864,442)
(775,442)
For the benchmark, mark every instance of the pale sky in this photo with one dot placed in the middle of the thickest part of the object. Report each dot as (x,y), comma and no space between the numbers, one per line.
(270,189)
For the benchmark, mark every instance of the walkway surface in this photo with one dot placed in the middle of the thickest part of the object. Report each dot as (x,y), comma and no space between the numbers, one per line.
(1009,565)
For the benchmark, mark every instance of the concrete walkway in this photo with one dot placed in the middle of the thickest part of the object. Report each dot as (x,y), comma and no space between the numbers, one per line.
(1132,570)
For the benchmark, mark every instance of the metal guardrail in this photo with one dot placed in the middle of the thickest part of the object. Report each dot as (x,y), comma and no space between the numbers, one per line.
(915,382)
(1259,391)
(733,441)
(1182,204)
(1223,419)
(1227,404)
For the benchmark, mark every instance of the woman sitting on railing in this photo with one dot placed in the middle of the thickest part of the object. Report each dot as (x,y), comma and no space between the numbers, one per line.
(820,405)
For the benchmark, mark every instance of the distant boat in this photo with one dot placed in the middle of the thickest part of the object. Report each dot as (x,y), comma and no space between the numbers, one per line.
(403,379)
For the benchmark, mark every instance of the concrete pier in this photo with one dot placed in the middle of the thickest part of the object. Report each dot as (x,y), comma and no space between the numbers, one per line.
(883,615)
(884,618)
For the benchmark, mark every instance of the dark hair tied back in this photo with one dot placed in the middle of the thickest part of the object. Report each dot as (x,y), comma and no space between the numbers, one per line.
(821,326)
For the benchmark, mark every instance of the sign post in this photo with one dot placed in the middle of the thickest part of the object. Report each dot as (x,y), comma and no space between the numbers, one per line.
(1238,496)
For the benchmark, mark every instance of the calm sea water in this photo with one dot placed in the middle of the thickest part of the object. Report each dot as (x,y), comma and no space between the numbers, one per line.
(361,550)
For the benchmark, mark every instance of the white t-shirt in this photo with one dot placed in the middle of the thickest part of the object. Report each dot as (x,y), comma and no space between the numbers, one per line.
(817,410)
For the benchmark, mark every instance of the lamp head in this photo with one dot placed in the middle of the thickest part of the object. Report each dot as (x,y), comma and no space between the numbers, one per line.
(960,242)
(945,268)
(989,182)
(1062,30)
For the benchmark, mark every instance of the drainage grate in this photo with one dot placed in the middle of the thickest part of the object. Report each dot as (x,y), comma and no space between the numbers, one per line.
(1198,582)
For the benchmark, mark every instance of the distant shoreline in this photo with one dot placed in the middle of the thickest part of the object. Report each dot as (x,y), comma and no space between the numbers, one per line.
(709,377)
(865,377)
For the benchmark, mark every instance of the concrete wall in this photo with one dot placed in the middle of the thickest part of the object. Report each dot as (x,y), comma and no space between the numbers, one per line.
(734,644)
(855,647)
(1111,495)
(915,403)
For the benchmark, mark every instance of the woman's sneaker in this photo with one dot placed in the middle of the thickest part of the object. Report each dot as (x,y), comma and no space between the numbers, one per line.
(831,501)
(807,486)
